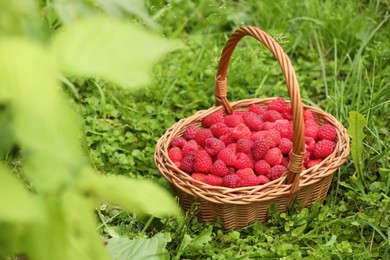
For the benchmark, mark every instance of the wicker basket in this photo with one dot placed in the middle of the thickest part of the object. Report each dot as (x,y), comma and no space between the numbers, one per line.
(241,206)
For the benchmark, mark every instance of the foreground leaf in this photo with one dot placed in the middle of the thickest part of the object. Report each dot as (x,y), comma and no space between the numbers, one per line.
(129,249)
(115,51)
(140,196)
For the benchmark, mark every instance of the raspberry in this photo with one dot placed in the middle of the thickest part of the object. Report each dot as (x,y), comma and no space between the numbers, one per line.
(306,159)
(268,125)
(219,129)
(250,181)
(244,145)
(327,132)
(273,137)
(227,156)
(258,135)
(285,146)
(257,109)
(213,146)
(262,179)
(310,144)
(233,147)
(245,173)
(272,116)
(231,181)
(202,135)
(190,132)
(232,170)
(312,163)
(198,176)
(275,172)
(287,114)
(278,104)
(285,128)
(273,156)
(308,115)
(233,120)
(178,142)
(227,138)
(243,161)
(187,164)
(191,145)
(262,167)
(259,148)
(216,117)
(219,168)
(253,121)
(202,162)
(241,131)
(323,149)
(285,161)
(175,154)
(311,129)
(213,180)
(177,164)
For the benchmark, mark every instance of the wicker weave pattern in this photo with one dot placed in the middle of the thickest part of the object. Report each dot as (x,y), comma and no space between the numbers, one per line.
(241,206)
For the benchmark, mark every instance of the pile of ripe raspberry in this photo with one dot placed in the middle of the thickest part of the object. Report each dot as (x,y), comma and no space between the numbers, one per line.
(248,148)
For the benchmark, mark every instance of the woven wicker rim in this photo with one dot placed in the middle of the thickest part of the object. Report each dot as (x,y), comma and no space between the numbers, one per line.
(293,178)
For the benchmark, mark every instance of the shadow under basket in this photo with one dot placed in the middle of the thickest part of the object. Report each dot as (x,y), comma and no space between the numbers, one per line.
(239,207)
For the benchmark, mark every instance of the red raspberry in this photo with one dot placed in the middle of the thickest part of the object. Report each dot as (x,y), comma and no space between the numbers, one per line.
(202,135)
(262,179)
(232,170)
(241,131)
(187,164)
(198,176)
(278,104)
(257,109)
(202,162)
(306,159)
(252,121)
(243,161)
(191,145)
(323,149)
(262,167)
(191,132)
(327,132)
(285,146)
(227,156)
(273,156)
(285,128)
(272,116)
(275,172)
(213,180)
(177,164)
(250,181)
(219,168)
(220,129)
(213,146)
(227,138)
(312,163)
(233,120)
(175,154)
(273,137)
(259,148)
(311,129)
(178,142)
(216,117)
(308,115)
(287,114)
(310,144)
(258,135)
(245,173)
(231,181)
(244,145)
(233,147)
(268,125)
(285,161)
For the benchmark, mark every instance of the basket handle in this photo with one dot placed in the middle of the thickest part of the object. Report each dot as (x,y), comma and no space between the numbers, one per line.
(220,93)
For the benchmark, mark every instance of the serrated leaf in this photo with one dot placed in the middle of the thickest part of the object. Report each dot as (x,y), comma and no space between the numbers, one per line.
(17,204)
(129,249)
(116,51)
(140,196)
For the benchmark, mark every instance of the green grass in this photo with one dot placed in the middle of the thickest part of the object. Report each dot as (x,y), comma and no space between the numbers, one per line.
(341,53)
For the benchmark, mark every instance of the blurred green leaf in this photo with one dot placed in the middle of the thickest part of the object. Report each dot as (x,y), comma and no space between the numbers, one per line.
(115,51)
(17,204)
(129,249)
(140,196)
